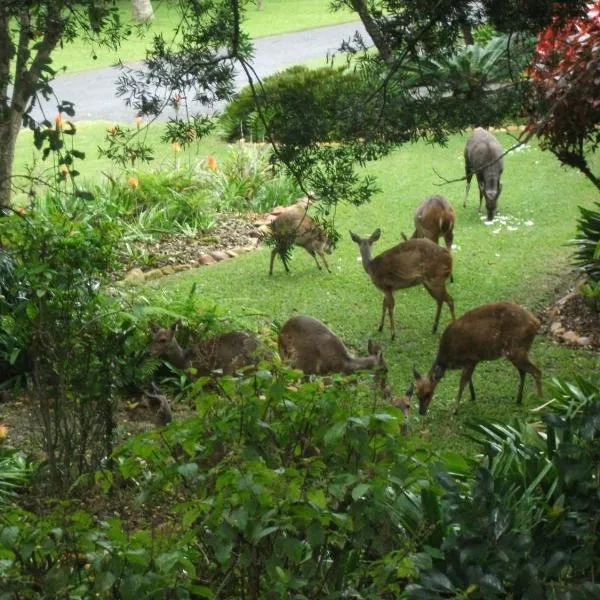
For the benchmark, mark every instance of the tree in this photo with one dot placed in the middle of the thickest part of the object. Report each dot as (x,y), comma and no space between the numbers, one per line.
(29,32)
(564,100)
(141,10)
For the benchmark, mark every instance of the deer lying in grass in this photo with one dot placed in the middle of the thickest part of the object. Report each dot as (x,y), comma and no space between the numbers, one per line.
(408,264)
(227,352)
(295,227)
(309,345)
(488,332)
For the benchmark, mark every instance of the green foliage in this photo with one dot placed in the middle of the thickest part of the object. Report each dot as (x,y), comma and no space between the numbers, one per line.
(15,473)
(58,320)
(587,240)
(524,524)
(321,97)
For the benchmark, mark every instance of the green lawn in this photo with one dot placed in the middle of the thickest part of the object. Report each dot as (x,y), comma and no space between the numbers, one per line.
(523,257)
(523,260)
(276,16)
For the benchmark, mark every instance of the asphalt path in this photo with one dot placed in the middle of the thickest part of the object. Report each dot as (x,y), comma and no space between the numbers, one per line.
(94,92)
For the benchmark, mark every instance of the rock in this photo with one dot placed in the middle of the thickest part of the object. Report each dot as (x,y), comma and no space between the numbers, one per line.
(570,336)
(179,268)
(277,210)
(168,270)
(154,274)
(556,328)
(584,340)
(206,259)
(136,275)
(231,253)
(219,255)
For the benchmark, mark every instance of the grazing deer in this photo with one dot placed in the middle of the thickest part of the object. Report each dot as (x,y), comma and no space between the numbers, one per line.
(312,347)
(227,352)
(483,158)
(408,264)
(487,332)
(295,227)
(434,217)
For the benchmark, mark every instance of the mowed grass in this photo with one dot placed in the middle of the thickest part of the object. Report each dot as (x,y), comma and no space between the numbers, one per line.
(522,257)
(275,17)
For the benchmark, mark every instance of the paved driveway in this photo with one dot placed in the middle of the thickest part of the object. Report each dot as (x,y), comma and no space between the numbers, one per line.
(93,92)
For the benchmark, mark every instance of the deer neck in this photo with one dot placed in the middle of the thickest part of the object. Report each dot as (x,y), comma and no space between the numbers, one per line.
(365,255)
(177,356)
(365,362)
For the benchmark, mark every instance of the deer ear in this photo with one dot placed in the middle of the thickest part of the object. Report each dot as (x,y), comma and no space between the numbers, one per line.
(375,235)
(154,327)
(176,325)
(416,374)
(354,237)
(410,390)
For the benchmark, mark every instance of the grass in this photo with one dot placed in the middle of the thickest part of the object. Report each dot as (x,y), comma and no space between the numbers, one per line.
(276,17)
(526,265)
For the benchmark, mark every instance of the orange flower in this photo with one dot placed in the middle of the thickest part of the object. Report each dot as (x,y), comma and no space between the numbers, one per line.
(64,171)
(133,182)
(176,146)
(58,121)
(113,130)
(211,162)
(138,121)
(3,432)
(21,211)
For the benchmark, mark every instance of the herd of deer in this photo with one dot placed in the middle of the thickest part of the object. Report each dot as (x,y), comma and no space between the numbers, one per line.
(488,332)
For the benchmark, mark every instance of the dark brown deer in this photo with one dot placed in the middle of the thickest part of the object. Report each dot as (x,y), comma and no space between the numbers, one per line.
(488,332)
(483,158)
(434,218)
(408,264)
(227,352)
(294,226)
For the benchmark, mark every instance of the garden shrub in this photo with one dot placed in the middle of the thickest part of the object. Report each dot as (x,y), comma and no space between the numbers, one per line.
(71,335)
(301,105)
(587,255)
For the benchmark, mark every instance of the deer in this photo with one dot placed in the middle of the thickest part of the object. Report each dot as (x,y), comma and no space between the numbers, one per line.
(227,352)
(309,345)
(483,157)
(410,263)
(488,332)
(434,218)
(294,226)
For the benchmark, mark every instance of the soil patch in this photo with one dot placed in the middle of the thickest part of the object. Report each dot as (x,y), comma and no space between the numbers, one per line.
(570,321)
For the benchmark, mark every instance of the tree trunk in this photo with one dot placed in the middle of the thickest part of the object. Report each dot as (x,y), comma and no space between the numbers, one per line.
(141,10)
(372,28)
(9,130)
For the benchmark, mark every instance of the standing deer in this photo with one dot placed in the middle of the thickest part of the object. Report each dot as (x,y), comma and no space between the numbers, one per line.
(227,352)
(408,264)
(295,227)
(434,217)
(488,332)
(483,158)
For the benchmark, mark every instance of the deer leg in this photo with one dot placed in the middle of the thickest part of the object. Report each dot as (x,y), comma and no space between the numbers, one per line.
(322,255)
(383,309)
(390,304)
(469,177)
(439,293)
(524,366)
(465,377)
(471,388)
(312,253)
(274,252)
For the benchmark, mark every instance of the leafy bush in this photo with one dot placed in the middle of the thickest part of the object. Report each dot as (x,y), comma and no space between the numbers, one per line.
(72,335)
(587,240)
(300,104)
(525,524)
(15,472)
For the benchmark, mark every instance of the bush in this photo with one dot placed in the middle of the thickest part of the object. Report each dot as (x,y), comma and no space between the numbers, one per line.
(301,106)
(587,240)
